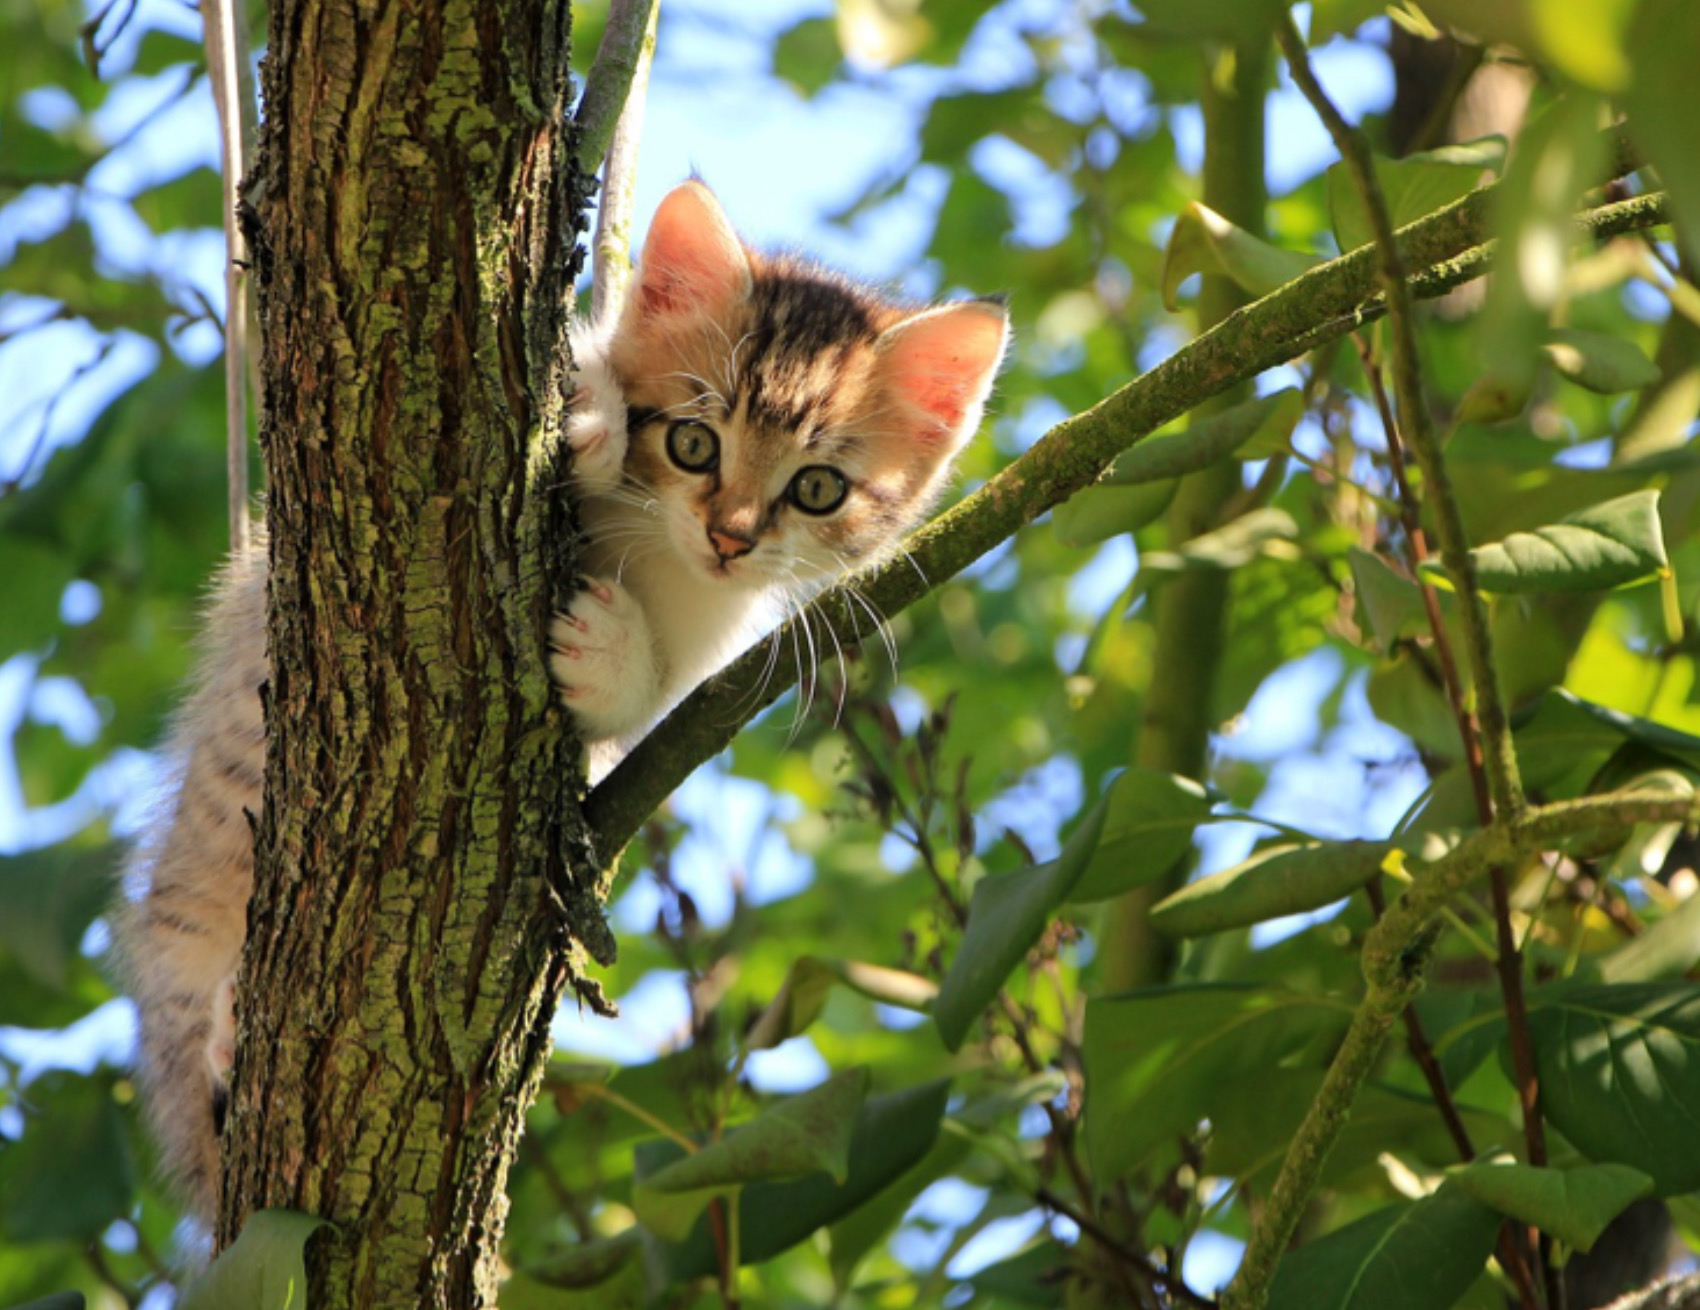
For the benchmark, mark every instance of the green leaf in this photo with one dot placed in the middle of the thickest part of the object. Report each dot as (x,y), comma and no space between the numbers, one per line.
(1277,881)
(808,55)
(799,1135)
(1389,603)
(1029,1278)
(1558,157)
(1230,546)
(802,997)
(1564,741)
(1231,20)
(1663,37)
(70,1174)
(1208,441)
(1157,1059)
(1148,829)
(48,899)
(1667,950)
(1573,1205)
(1100,512)
(588,1264)
(61,1301)
(1603,364)
(1204,242)
(33,578)
(264,1268)
(892,1134)
(1610,545)
(1421,1256)
(1586,42)
(1619,1069)
(1008,913)
(1414,186)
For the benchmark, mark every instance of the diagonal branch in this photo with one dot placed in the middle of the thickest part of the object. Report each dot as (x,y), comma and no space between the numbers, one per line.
(1449,247)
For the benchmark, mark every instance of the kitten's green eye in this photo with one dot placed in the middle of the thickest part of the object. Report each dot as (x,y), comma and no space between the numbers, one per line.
(693,447)
(818,489)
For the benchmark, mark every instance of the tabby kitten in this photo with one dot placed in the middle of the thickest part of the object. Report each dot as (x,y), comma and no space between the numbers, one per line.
(751,428)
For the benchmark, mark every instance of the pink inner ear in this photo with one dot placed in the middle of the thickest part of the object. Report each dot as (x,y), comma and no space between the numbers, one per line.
(692,259)
(943,362)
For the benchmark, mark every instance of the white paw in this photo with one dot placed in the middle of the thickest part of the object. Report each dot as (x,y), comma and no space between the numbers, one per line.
(221,1041)
(596,422)
(603,659)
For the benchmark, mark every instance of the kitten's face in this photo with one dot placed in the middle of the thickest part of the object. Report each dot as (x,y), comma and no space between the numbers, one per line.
(788,425)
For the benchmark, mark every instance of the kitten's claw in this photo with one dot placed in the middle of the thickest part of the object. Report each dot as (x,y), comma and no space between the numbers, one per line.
(603,659)
(596,419)
(221,1041)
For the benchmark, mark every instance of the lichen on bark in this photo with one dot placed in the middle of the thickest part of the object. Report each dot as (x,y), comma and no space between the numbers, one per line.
(425,889)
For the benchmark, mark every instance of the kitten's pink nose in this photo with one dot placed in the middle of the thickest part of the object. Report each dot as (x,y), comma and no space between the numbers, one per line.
(729,545)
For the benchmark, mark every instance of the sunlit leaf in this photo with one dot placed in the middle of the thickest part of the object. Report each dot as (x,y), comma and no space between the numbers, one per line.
(1204,242)
(1156,1058)
(1605,546)
(1277,881)
(1413,186)
(799,1135)
(1619,1069)
(1006,917)
(1420,1256)
(1601,363)
(1573,1205)
(265,1267)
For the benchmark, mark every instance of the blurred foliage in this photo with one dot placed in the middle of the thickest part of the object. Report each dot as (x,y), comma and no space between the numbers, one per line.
(1027,1140)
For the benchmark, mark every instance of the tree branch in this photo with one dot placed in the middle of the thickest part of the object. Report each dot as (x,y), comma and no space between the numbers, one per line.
(611,255)
(627,42)
(224,33)
(1450,247)
(1488,748)
(1395,958)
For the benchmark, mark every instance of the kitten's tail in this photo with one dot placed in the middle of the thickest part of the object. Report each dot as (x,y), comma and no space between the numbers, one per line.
(181,916)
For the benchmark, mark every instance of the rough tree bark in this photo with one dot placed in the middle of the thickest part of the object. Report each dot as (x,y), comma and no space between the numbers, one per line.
(425,888)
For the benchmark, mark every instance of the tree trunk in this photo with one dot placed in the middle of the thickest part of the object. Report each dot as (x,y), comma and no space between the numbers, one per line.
(425,891)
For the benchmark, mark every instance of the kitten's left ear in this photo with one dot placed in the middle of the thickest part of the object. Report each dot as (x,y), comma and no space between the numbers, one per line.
(939,365)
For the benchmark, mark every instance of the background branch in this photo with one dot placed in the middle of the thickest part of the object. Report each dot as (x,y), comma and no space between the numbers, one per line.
(224,32)
(611,253)
(1395,957)
(627,42)
(1487,734)
(1449,247)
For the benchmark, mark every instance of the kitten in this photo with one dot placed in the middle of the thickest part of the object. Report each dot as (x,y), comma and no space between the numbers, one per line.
(783,426)
(751,428)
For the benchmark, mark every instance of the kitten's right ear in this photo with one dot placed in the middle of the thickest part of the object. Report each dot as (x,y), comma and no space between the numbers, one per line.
(692,263)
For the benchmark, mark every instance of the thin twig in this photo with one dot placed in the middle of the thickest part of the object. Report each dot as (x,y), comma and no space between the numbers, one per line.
(1504,801)
(225,38)
(1177,1288)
